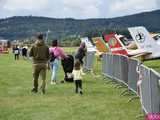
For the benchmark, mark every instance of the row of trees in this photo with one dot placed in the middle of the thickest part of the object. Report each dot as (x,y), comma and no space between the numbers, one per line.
(15,28)
(74,40)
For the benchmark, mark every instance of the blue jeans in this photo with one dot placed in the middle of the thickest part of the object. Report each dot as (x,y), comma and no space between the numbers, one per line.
(54,67)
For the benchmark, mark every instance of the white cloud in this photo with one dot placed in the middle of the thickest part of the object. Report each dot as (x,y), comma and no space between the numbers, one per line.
(2,3)
(25,4)
(81,3)
(130,5)
(75,8)
(85,8)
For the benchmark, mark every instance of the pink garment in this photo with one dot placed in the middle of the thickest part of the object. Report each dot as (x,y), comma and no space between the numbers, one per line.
(1,49)
(153,116)
(58,52)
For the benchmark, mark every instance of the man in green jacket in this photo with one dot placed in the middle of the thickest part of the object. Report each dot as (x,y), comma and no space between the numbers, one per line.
(40,54)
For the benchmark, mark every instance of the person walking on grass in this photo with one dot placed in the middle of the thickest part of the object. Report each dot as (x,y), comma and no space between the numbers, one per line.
(24,52)
(56,54)
(40,55)
(77,76)
(16,52)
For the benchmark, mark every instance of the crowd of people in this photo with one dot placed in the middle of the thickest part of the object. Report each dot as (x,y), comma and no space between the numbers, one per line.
(17,51)
(44,58)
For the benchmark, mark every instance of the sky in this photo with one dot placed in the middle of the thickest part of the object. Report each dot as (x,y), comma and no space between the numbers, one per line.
(78,9)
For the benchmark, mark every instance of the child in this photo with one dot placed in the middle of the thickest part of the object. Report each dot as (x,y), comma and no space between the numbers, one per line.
(77,76)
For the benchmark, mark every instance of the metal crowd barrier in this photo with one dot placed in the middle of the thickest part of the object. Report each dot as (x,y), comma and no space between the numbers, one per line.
(123,61)
(88,60)
(150,90)
(104,62)
(115,66)
(144,88)
(155,91)
(107,64)
(145,83)
(132,74)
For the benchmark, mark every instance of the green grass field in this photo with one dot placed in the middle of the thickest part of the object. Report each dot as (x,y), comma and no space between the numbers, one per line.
(100,101)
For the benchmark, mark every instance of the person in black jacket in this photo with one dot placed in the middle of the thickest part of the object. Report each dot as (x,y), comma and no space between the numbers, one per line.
(24,52)
(81,52)
(16,52)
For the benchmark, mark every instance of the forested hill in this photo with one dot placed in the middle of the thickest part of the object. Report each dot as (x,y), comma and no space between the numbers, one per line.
(27,26)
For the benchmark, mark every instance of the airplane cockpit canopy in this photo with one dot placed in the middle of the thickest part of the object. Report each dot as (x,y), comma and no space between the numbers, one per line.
(124,40)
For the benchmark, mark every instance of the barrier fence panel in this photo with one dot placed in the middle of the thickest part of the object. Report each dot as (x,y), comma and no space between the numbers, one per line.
(155,91)
(145,92)
(116,67)
(120,68)
(107,64)
(123,60)
(88,60)
(146,83)
(104,60)
(132,74)
(109,69)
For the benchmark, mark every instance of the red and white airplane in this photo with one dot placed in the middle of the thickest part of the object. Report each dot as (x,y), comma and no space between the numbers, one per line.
(147,47)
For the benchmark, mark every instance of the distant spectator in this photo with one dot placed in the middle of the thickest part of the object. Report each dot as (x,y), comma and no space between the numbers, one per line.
(16,52)
(40,54)
(1,49)
(24,52)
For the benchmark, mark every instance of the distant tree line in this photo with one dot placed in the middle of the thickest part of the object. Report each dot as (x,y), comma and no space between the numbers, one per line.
(69,30)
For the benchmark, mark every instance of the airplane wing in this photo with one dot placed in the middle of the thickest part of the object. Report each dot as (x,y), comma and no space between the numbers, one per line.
(142,54)
(138,52)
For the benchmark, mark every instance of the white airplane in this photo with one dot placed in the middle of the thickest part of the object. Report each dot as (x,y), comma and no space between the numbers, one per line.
(145,42)
(157,38)
(89,45)
(147,47)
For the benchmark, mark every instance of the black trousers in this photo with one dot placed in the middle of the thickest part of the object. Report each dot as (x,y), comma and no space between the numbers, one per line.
(78,84)
(16,56)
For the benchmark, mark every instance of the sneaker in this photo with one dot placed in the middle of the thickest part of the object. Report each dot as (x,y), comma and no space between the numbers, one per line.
(81,92)
(62,81)
(53,83)
(34,90)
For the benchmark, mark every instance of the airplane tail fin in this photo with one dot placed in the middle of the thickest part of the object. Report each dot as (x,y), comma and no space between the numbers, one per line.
(89,45)
(100,44)
(142,38)
(115,45)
